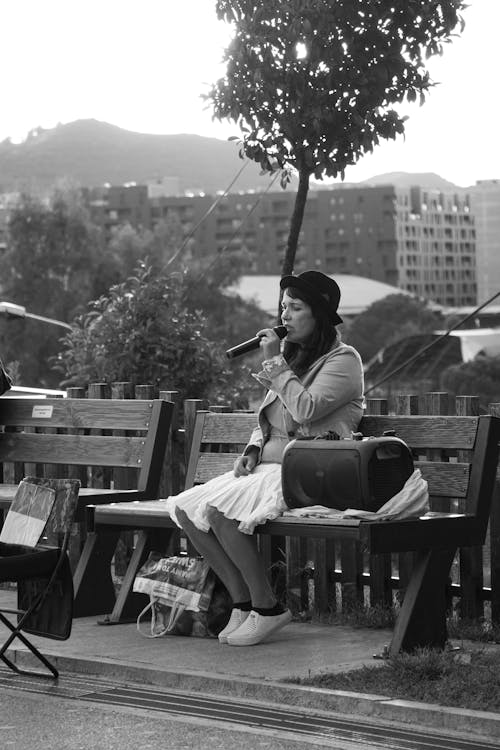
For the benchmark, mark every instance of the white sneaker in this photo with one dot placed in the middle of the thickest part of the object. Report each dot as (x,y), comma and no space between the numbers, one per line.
(258,627)
(238,617)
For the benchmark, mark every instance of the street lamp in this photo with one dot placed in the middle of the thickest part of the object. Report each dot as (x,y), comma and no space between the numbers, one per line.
(18,311)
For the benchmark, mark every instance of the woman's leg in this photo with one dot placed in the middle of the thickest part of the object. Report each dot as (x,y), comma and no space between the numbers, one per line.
(242,550)
(209,547)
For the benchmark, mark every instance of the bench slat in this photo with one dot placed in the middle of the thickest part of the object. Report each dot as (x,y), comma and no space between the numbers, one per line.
(451,433)
(448,433)
(82,450)
(228,428)
(211,465)
(96,414)
(445,479)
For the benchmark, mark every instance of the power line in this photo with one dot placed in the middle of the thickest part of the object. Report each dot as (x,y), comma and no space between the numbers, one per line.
(429,346)
(238,230)
(205,216)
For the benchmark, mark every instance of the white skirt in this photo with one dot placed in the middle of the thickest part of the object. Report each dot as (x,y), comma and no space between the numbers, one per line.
(251,499)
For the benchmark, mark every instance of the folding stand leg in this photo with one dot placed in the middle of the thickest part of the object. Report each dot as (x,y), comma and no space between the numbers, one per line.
(16,633)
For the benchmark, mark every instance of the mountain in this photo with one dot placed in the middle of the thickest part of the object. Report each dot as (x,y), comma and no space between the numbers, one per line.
(91,153)
(407,179)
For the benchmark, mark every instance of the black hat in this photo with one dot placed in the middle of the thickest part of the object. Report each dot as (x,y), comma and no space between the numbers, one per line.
(322,288)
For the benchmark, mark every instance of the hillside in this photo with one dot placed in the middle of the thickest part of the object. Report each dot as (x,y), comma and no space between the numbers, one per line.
(407,179)
(91,153)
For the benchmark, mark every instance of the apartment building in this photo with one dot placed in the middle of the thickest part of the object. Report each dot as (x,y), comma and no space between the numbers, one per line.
(486,210)
(436,239)
(420,240)
(115,205)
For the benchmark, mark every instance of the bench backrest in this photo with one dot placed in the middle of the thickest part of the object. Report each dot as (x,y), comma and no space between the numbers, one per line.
(121,433)
(456,455)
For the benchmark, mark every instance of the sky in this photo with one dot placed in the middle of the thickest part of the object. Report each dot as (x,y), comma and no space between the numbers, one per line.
(144,64)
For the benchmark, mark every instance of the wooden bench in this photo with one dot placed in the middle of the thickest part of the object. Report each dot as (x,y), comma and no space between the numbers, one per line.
(458,457)
(116,447)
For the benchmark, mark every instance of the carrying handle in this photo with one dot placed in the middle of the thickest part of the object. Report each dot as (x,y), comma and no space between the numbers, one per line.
(175,611)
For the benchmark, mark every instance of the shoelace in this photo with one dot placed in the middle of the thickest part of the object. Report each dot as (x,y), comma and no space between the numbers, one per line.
(251,621)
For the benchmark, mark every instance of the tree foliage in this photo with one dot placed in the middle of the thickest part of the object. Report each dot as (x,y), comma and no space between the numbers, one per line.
(140,332)
(390,319)
(479,377)
(230,318)
(53,265)
(130,245)
(144,331)
(313,83)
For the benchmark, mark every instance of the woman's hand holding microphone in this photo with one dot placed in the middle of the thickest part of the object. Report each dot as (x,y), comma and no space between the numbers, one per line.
(270,342)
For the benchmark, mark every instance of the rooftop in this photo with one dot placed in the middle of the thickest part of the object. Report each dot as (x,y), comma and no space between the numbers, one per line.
(357,292)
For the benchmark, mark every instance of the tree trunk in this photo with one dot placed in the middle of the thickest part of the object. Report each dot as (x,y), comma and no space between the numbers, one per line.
(295,227)
(296,223)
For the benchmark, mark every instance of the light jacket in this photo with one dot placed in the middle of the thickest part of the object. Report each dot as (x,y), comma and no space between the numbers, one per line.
(329,396)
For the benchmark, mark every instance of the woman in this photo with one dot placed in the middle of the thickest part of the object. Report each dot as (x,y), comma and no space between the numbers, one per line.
(315,385)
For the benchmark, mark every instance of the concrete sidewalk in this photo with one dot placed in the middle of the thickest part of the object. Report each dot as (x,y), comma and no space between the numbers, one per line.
(258,672)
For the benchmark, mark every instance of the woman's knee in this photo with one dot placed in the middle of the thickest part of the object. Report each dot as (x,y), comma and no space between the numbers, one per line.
(215,518)
(183,519)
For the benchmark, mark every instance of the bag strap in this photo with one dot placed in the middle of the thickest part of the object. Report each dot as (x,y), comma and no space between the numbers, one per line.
(175,611)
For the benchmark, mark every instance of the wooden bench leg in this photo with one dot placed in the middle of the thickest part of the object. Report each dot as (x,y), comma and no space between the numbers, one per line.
(92,581)
(128,604)
(422,618)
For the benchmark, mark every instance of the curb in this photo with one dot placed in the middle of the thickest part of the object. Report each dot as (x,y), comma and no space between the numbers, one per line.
(482,724)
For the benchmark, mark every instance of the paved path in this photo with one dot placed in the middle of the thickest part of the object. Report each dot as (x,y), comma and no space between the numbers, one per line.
(191,665)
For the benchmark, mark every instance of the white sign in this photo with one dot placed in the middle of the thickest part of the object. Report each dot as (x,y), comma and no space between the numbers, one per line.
(42,412)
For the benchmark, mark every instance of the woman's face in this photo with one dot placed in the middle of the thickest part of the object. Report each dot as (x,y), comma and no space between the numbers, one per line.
(297,316)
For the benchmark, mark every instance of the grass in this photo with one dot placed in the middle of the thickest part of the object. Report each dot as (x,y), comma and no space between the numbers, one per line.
(473,630)
(447,678)
(459,679)
(360,616)
(382,616)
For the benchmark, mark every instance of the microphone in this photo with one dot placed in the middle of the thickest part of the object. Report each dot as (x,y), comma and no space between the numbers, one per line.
(251,344)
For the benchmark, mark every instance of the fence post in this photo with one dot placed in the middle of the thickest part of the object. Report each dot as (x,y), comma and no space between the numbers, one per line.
(172,478)
(122,389)
(436,404)
(143,392)
(99,390)
(122,479)
(75,392)
(377,406)
(406,404)
(471,558)
(190,407)
(79,529)
(325,593)
(494,538)
(380,566)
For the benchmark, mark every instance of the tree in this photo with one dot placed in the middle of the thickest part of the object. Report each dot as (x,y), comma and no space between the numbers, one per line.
(479,377)
(54,264)
(129,245)
(230,319)
(311,83)
(143,332)
(390,319)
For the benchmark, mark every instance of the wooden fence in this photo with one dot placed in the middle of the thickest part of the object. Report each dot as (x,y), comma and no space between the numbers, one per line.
(324,576)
